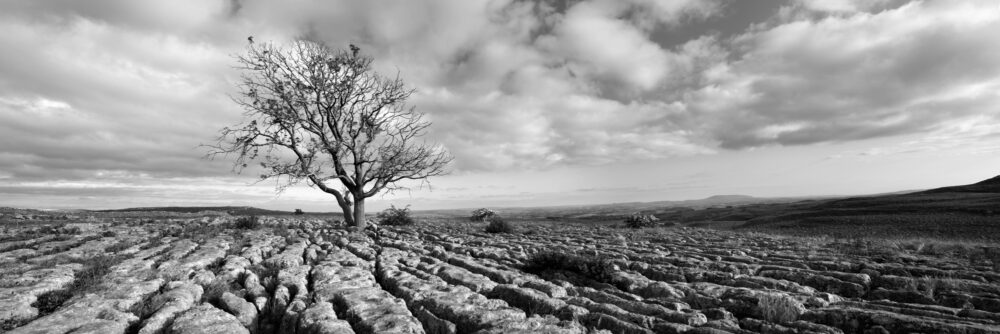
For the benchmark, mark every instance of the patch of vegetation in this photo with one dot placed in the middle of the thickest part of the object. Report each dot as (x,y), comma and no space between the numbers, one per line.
(49,301)
(597,268)
(9,324)
(482,214)
(976,252)
(637,220)
(267,273)
(61,232)
(395,216)
(155,242)
(247,223)
(214,291)
(119,247)
(216,266)
(927,286)
(299,212)
(499,225)
(85,280)
(60,248)
(236,247)
(283,231)
(109,234)
(779,307)
(33,244)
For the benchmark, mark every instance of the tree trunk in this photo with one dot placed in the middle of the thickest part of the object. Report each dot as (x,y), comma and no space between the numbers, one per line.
(359,212)
(345,207)
(348,217)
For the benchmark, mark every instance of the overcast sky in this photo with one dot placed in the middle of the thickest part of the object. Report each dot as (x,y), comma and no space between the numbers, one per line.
(103,104)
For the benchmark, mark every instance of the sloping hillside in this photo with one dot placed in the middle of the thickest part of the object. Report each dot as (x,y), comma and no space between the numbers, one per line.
(968,211)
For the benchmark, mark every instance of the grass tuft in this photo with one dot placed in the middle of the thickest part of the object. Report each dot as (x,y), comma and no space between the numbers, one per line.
(499,225)
(247,223)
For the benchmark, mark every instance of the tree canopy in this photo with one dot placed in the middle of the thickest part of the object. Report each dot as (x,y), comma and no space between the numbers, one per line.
(325,117)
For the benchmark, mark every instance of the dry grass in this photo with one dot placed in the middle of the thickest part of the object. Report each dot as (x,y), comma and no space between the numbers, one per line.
(93,272)
(779,307)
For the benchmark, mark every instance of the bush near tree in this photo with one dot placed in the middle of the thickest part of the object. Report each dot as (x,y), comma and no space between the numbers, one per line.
(395,216)
(482,214)
(498,225)
(637,220)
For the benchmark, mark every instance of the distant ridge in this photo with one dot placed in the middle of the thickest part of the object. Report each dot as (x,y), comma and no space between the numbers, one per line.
(995,181)
(233,210)
(971,210)
(991,185)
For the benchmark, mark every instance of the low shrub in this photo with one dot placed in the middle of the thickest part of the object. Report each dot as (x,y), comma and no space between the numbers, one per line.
(283,231)
(299,212)
(499,225)
(395,216)
(118,247)
(267,273)
(779,307)
(637,220)
(49,301)
(214,291)
(482,215)
(597,268)
(216,265)
(9,324)
(247,223)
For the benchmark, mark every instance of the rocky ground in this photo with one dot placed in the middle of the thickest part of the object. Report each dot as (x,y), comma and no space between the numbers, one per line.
(202,275)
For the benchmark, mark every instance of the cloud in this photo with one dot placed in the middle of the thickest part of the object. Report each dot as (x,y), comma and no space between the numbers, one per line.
(907,70)
(845,6)
(84,96)
(123,90)
(609,41)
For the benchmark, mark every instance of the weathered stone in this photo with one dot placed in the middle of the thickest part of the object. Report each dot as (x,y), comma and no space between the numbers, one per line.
(206,319)
(90,312)
(433,324)
(530,300)
(536,324)
(179,297)
(291,256)
(476,282)
(321,319)
(15,301)
(615,325)
(372,310)
(244,311)
(853,320)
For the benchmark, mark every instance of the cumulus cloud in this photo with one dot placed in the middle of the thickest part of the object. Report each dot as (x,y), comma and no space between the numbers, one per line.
(907,70)
(844,6)
(609,41)
(124,91)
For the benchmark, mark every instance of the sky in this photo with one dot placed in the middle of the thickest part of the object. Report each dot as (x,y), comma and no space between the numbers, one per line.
(105,104)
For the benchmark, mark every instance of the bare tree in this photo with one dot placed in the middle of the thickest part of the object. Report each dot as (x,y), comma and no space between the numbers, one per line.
(324,116)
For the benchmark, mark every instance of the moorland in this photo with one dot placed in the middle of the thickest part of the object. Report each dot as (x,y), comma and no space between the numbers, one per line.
(916,262)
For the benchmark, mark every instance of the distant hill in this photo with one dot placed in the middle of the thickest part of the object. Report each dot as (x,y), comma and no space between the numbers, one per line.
(988,186)
(961,212)
(615,211)
(233,210)
(967,211)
